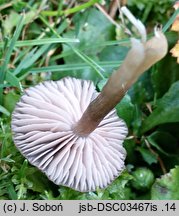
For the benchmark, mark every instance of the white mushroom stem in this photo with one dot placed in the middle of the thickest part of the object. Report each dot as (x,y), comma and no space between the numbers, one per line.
(140,58)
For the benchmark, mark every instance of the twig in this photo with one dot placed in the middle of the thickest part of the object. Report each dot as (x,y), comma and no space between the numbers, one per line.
(158,157)
(49,54)
(72,2)
(115,5)
(107,15)
(113,8)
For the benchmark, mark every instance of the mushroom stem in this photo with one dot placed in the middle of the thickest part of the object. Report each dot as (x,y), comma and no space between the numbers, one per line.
(140,58)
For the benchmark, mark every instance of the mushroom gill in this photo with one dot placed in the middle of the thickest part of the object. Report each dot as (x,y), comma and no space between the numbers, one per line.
(43,126)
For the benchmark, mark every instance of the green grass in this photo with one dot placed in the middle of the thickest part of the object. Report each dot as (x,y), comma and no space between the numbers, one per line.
(39,44)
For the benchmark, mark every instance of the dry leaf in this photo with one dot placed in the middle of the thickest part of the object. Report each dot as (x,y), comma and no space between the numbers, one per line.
(175,25)
(175,51)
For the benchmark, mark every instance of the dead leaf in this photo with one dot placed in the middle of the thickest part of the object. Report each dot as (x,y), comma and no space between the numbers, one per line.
(175,25)
(175,51)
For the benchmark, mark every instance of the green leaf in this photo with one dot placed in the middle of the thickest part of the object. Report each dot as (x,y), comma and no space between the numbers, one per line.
(147,155)
(142,90)
(125,109)
(167,187)
(112,52)
(4,111)
(90,27)
(165,73)
(40,183)
(23,169)
(10,100)
(70,194)
(166,111)
(164,142)
(11,192)
(13,80)
(130,146)
(118,190)
(4,85)
(137,122)
(172,128)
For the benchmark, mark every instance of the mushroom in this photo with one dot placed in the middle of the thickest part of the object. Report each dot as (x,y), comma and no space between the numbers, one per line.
(71,132)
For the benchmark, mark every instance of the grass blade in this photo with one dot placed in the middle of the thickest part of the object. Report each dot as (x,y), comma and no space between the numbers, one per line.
(68,67)
(170,21)
(8,54)
(44,41)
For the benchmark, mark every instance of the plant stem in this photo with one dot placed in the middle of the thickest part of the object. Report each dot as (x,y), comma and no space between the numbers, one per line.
(157,156)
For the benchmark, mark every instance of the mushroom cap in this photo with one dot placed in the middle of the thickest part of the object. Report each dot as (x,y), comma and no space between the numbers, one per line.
(42,125)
